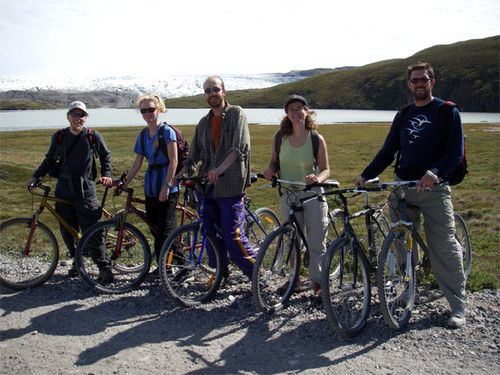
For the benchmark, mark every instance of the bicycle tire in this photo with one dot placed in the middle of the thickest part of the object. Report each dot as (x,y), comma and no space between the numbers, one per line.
(395,283)
(255,234)
(186,275)
(463,237)
(346,293)
(380,230)
(335,225)
(17,270)
(276,270)
(133,261)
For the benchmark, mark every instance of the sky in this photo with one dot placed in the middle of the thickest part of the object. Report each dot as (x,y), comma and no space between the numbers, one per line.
(170,37)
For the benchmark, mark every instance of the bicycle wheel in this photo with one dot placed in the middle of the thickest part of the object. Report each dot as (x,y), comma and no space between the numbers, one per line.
(379,230)
(191,272)
(257,230)
(276,270)
(27,258)
(463,237)
(335,225)
(345,292)
(127,250)
(396,280)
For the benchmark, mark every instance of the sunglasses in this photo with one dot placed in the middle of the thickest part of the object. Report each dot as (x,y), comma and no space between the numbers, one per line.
(210,90)
(423,80)
(80,114)
(148,110)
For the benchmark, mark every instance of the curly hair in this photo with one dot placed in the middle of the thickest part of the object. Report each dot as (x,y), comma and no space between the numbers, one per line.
(286,127)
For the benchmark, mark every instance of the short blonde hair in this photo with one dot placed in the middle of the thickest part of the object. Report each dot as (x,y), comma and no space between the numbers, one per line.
(159,103)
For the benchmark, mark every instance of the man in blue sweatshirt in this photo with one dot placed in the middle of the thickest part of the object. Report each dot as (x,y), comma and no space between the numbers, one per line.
(429,147)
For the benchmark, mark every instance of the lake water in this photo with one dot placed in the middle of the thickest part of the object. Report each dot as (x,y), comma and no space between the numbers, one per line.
(111,117)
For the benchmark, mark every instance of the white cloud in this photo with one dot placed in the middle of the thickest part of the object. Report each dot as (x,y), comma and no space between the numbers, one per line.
(155,37)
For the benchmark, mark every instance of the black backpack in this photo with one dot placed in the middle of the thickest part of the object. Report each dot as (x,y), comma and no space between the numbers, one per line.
(444,117)
(59,155)
(277,145)
(182,145)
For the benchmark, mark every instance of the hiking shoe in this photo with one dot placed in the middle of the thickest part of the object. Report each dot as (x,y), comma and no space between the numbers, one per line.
(105,276)
(296,289)
(155,274)
(181,276)
(73,272)
(316,287)
(456,320)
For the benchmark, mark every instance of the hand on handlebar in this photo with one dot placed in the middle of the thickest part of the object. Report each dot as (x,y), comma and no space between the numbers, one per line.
(106,181)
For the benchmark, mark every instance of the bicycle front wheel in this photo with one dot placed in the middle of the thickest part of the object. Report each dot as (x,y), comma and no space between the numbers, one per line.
(463,237)
(127,253)
(346,290)
(396,279)
(257,230)
(276,270)
(190,270)
(28,254)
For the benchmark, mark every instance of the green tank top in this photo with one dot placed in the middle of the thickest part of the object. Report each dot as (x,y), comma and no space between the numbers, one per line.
(297,162)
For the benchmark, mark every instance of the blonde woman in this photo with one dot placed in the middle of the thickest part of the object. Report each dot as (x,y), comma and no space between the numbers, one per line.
(158,144)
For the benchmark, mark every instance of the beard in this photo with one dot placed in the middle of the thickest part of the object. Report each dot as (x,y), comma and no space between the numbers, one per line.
(214,101)
(421,93)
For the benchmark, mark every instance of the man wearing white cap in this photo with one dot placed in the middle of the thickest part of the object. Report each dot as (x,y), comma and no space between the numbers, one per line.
(74,149)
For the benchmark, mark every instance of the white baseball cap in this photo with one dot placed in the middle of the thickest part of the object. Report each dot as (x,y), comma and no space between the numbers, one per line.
(77,104)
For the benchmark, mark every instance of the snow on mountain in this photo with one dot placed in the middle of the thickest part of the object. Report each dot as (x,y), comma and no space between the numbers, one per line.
(168,86)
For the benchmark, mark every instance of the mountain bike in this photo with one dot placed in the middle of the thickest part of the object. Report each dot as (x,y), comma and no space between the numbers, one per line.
(29,251)
(398,259)
(192,276)
(277,266)
(350,260)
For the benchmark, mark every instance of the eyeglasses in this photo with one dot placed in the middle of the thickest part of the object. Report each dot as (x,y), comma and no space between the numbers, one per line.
(210,90)
(80,114)
(423,80)
(148,110)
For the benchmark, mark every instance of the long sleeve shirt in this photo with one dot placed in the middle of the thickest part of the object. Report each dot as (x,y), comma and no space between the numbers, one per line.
(235,136)
(426,140)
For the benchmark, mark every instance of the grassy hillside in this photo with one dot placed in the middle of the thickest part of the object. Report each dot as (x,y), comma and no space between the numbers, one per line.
(467,73)
(350,148)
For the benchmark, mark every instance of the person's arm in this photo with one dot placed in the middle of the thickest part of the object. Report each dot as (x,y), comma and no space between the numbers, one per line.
(384,157)
(272,167)
(172,166)
(105,160)
(136,166)
(323,164)
(47,162)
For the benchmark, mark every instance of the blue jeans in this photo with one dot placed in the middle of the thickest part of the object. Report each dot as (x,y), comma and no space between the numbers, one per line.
(229,215)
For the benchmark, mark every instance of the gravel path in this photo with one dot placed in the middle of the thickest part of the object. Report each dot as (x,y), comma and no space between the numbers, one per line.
(63,327)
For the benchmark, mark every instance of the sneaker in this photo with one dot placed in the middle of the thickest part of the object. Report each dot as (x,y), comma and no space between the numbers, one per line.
(456,320)
(105,276)
(73,272)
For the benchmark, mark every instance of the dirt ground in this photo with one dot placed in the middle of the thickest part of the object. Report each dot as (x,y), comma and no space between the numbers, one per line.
(63,327)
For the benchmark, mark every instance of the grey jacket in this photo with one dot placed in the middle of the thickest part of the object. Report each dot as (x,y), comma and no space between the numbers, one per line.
(234,136)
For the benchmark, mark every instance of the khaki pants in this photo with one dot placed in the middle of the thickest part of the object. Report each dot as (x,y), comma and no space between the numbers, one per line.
(445,253)
(313,221)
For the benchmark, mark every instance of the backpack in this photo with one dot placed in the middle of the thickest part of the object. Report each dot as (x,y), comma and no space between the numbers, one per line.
(314,140)
(59,155)
(444,113)
(182,144)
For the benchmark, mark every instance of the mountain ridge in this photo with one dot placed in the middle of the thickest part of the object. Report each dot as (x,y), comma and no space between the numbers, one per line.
(467,73)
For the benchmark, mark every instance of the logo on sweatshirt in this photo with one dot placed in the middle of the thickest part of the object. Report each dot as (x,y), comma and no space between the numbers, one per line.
(417,125)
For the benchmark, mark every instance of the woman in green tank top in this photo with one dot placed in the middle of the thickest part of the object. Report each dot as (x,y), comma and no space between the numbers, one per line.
(299,153)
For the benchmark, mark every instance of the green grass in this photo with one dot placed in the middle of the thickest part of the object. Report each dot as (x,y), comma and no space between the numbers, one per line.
(350,148)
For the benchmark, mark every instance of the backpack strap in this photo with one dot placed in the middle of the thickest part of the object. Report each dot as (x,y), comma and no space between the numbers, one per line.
(92,141)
